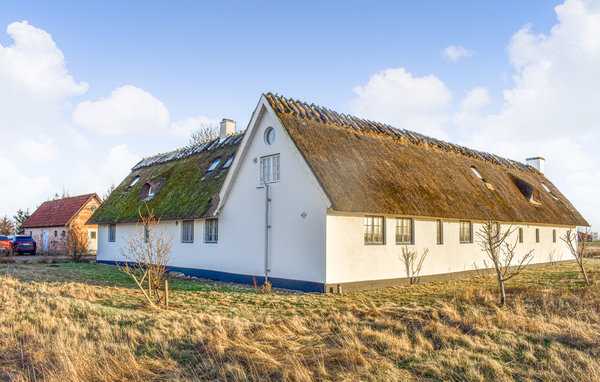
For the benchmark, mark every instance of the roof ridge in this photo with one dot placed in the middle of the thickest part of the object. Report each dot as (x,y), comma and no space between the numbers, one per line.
(303,110)
(186,151)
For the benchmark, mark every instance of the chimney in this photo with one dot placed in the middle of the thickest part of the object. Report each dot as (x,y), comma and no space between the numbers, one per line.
(538,163)
(227,128)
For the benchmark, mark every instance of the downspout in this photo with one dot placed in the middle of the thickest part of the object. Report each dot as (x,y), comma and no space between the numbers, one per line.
(267,228)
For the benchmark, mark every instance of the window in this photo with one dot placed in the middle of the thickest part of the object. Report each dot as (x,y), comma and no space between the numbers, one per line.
(270,136)
(146,234)
(477,173)
(148,191)
(63,233)
(440,232)
(373,229)
(269,169)
(134,181)
(187,231)
(55,233)
(227,163)
(112,231)
(211,231)
(404,231)
(213,165)
(495,230)
(93,208)
(537,235)
(520,235)
(549,191)
(30,233)
(554,236)
(93,235)
(465,232)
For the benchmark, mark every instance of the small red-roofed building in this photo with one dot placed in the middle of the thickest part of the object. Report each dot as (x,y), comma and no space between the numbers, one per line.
(49,225)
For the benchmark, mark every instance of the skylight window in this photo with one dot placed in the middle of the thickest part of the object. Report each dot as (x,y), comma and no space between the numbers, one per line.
(477,174)
(135,180)
(213,165)
(549,191)
(228,162)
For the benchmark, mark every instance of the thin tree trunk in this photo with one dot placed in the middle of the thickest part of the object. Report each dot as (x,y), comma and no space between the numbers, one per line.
(582,267)
(500,285)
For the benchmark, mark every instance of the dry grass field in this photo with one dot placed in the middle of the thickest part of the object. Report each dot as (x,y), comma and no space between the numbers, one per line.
(86,322)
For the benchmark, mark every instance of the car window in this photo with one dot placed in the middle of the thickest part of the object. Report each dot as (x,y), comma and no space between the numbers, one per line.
(24,238)
(3,238)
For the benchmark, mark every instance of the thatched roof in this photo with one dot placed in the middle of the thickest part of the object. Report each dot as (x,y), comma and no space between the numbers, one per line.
(369,167)
(183,189)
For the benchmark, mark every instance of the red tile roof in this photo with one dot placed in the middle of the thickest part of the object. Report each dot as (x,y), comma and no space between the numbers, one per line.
(59,212)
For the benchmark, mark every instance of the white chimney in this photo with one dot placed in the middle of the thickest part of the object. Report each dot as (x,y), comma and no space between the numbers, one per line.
(227,128)
(538,163)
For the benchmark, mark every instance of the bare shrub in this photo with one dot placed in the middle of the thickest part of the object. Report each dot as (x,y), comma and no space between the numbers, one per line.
(413,263)
(147,254)
(578,251)
(495,244)
(77,242)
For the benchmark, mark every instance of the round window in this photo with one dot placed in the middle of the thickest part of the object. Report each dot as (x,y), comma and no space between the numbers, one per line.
(270,136)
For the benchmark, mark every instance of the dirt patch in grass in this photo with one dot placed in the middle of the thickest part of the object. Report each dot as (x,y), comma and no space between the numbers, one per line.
(76,322)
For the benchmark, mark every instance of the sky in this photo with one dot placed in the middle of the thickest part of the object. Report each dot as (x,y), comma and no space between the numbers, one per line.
(88,89)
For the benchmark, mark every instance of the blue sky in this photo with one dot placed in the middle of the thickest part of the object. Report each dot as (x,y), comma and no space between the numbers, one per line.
(195,61)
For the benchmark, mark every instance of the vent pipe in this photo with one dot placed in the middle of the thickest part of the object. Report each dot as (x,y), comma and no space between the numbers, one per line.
(227,128)
(538,163)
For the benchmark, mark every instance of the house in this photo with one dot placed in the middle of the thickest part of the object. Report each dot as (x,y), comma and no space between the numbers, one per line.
(50,224)
(320,201)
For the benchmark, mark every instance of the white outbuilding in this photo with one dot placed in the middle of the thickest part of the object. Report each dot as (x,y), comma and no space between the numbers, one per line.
(319,201)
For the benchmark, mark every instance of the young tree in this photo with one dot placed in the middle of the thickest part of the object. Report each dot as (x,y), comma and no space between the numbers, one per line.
(498,248)
(20,218)
(77,242)
(7,227)
(147,254)
(206,132)
(570,238)
(413,263)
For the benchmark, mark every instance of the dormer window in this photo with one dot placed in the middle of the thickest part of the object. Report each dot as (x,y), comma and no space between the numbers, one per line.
(147,191)
(134,181)
(531,193)
(213,165)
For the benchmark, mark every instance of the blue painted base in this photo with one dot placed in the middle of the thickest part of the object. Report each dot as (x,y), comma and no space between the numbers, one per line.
(299,285)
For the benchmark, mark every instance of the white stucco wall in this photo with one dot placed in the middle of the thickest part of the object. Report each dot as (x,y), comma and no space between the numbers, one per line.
(298,217)
(350,260)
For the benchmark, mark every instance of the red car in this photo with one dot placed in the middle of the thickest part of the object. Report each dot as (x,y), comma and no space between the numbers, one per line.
(21,244)
(5,245)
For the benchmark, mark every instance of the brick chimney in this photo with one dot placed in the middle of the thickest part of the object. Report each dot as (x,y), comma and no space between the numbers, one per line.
(538,163)
(227,128)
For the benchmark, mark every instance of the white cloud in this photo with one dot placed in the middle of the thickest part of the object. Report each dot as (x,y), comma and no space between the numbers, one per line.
(456,53)
(118,163)
(31,150)
(475,99)
(128,110)
(396,97)
(19,189)
(185,127)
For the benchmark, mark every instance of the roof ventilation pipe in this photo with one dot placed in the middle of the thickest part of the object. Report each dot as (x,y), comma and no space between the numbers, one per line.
(227,128)
(538,163)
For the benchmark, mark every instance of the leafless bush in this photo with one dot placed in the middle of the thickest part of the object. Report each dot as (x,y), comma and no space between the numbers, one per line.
(77,242)
(578,251)
(413,263)
(495,244)
(206,132)
(147,254)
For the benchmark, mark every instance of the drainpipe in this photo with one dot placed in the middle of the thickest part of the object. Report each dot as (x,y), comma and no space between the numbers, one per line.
(267,228)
